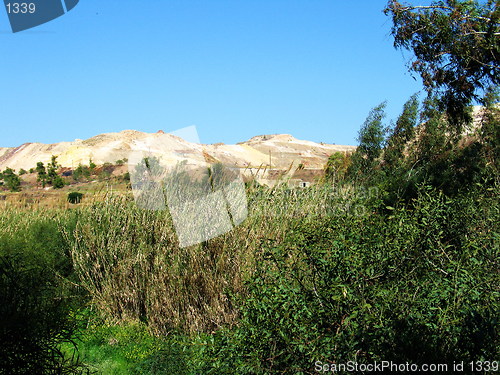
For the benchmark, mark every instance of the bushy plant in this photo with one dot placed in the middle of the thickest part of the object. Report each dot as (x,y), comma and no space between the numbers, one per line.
(371,141)
(11,180)
(75,197)
(81,172)
(415,285)
(35,320)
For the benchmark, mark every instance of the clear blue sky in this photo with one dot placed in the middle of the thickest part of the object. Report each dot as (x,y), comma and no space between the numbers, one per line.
(233,68)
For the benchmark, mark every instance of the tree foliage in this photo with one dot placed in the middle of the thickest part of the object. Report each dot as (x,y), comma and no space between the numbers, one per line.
(49,175)
(371,141)
(11,180)
(41,173)
(337,165)
(402,133)
(456,47)
(81,172)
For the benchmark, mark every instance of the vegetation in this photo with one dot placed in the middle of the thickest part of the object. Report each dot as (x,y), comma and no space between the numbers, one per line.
(37,296)
(49,175)
(75,197)
(456,49)
(337,166)
(11,180)
(393,256)
(81,173)
(371,141)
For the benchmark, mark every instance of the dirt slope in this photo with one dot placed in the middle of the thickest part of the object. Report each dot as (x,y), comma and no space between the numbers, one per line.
(280,150)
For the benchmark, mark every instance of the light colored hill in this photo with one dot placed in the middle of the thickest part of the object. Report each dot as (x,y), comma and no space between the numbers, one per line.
(280,150)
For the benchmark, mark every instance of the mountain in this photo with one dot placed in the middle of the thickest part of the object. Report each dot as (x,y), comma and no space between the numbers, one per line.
(278,150)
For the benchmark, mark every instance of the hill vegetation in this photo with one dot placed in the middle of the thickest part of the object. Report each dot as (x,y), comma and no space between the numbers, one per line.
(392,256)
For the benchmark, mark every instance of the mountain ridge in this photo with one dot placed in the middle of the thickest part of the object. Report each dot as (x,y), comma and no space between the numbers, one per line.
(270,150)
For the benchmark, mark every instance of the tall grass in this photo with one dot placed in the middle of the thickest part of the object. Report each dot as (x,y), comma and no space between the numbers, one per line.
(130,262)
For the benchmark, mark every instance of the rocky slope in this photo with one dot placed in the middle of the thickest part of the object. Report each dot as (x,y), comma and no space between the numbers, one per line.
(279,151)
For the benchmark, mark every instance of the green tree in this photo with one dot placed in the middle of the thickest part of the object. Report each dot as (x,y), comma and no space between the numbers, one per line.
(456,47)
(337,165)
(82,171)
(42,173)
(58,182)
(371,141)
(490,130)
(12,181)
(49,176)
(402,133)
(52,170)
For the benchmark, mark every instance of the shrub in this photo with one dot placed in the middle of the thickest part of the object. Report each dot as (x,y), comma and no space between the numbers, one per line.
(106,171)
(12,181)
(416,285)
(34,321)
(81,172)
(58,182)
(75,197)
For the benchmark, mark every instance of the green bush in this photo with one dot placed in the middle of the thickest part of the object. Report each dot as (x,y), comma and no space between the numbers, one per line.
(12,181)
(38,293)
(35,320)
(416,285)
(58,182)
(81,172)
(75,197)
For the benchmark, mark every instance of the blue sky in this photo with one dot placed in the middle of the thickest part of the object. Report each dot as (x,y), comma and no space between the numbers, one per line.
(233,68)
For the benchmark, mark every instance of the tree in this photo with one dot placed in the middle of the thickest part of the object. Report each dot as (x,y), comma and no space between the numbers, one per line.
(371,141)
(12,181)
(49,175)
(490,126)
(82,171)
(456,47)
(42,173)
(337,165)
(402,133)
(52,170)
(53,178)
(58,182)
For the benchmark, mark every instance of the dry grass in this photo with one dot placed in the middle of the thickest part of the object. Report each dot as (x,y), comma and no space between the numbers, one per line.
(129,261)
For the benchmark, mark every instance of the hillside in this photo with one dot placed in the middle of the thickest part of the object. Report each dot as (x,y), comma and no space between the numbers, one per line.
(278,151)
